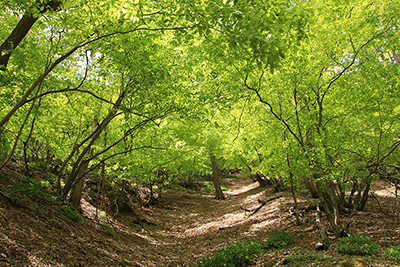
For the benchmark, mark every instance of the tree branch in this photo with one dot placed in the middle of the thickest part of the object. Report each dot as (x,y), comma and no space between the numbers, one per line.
(272,111)
(23,27)
(22,101)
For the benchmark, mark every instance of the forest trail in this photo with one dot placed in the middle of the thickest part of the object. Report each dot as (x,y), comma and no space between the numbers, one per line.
(181,228)
(186,226)
(199,224)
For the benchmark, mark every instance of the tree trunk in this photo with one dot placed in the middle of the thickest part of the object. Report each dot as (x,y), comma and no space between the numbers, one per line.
(293,189)
(263,182)
(311,186)
(364,198)
(331,208)
(23,27)
(324,244)
(218,192)
(76,191)
(97,130)
(75,179)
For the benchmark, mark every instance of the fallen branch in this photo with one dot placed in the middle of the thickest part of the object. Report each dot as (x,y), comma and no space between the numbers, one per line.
(253,211)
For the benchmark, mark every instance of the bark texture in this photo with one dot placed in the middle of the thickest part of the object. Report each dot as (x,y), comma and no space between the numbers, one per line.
(215,177)
(23,27)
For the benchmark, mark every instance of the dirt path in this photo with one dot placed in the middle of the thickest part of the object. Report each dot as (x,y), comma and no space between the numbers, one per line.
(190,226)
(181,228)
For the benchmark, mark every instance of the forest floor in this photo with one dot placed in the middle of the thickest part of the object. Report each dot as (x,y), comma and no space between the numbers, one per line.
(181,228)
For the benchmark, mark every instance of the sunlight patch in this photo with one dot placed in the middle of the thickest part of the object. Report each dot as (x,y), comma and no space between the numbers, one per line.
(262,225)
(242,189)
(223,222)
(37,261)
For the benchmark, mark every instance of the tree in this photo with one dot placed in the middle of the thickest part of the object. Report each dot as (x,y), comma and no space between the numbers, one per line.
(182,86)
(30,16)
(306,99)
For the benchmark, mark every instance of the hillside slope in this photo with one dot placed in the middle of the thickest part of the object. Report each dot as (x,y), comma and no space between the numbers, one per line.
(176,231)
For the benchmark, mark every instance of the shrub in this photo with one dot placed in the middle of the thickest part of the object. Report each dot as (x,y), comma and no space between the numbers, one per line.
(178,187)
(71,213)
(234,255)
(279,239)
(209,187)
(394,252)
(29,188)
(357,245)
(109,229)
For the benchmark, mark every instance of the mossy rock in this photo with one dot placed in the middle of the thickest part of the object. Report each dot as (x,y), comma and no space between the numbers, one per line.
(356,262)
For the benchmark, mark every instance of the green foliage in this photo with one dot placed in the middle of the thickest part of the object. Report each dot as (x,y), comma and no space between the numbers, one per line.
(109,229)
(357,245)
(29,188)
(5,145)
(181,188)
(279,239)
(38,165)
(196,80)
(234,255)
(300,260)
(394,252)
(71,213)
(209,186)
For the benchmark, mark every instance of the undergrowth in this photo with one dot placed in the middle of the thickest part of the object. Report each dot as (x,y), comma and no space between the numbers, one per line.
(241,254)
(29,188)
(209,186)
(279,239)
(394,253)
(70,213)
(109,229)
(357,245)
(234,255)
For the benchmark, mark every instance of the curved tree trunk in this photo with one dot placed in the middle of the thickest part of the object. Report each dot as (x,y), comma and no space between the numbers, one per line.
(263,182)
(330,203)
(76,191)
(97,130)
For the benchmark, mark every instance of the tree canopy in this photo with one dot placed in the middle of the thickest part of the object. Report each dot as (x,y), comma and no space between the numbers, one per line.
(302,91)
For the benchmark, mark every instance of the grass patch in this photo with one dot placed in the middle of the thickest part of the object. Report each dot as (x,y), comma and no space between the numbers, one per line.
(234,255)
